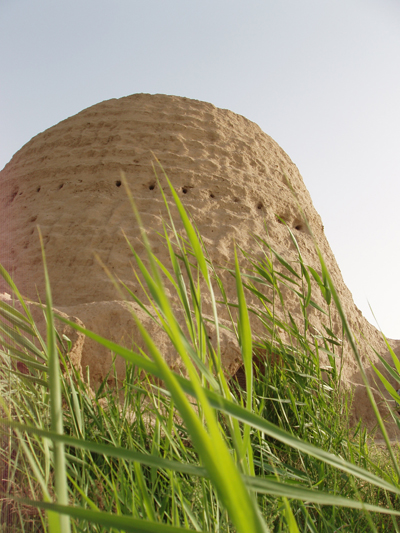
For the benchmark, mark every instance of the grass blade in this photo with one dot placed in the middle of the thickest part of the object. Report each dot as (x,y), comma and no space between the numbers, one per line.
(56,404)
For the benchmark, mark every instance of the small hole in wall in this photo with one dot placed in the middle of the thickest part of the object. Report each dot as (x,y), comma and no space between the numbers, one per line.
(118,183)
(184,190)
(236,199)
(260,205)
(38,189)
(152,186)
(212,195)
(61,186)
(300,225)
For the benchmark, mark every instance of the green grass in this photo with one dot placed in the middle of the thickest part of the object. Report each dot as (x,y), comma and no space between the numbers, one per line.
(170,453)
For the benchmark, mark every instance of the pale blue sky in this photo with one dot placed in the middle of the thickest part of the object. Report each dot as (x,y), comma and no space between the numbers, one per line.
(321,77)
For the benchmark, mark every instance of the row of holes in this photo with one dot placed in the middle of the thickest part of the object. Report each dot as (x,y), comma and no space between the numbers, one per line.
(118,183)
(185,190)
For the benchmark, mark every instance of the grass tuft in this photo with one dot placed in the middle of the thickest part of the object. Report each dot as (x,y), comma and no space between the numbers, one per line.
(194,451)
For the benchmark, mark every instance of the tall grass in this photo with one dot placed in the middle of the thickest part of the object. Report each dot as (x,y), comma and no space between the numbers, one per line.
(165,452)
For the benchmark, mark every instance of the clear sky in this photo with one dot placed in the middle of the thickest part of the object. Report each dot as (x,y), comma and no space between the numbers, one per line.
(322,77)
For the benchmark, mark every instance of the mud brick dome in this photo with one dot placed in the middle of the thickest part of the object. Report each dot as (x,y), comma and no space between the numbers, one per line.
(229,174)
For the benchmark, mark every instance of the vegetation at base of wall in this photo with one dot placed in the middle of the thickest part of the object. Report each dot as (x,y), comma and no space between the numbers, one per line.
(164,452)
